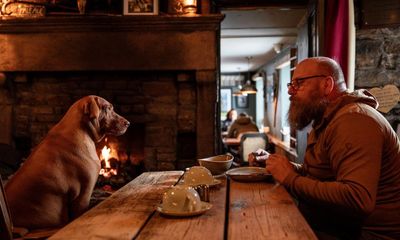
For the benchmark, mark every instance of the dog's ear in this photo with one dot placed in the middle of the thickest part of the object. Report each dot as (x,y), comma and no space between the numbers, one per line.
(92,108)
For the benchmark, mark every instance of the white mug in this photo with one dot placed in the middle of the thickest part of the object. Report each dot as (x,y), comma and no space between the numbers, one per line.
(198,175)
(181,199)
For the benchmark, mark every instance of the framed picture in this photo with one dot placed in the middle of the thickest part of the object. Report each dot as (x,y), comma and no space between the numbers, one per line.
(269,92)
(140,7)
(226,97)
(242,102)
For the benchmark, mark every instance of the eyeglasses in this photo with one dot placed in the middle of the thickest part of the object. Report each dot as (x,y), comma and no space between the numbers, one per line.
(296,84)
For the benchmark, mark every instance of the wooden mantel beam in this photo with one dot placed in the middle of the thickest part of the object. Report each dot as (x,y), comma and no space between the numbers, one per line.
(77,23)
(109,43)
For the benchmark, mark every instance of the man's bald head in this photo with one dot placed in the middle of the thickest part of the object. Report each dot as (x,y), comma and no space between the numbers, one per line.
(321,66)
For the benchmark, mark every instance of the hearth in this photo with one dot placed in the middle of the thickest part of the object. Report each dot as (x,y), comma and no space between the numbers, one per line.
(161,108)
(160,72)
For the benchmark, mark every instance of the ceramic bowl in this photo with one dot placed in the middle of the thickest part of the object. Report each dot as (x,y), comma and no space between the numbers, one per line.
(181,199)
(198,175)
(217,164)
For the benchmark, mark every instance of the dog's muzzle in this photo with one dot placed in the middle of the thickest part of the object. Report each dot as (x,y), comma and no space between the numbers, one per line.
(119,126)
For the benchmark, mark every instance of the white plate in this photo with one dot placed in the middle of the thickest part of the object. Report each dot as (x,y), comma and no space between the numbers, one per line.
(205,206)
(249,174)
(215,182)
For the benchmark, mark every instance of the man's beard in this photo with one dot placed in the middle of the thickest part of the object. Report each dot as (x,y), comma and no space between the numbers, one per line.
(302,113)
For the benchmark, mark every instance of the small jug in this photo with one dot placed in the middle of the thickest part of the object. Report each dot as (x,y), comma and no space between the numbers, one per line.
(204,192)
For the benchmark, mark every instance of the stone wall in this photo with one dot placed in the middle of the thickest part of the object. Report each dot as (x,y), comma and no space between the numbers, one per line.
(163,102)
(378,62)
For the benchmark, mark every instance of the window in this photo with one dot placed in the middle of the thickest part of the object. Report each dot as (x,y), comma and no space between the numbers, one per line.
(226,102)
(284,77)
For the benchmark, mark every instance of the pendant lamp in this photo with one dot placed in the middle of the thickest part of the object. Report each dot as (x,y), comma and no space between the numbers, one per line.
(248,88)
(238,87)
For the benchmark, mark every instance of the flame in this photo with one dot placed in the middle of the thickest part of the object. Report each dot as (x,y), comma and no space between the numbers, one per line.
(107,171)
(105,153)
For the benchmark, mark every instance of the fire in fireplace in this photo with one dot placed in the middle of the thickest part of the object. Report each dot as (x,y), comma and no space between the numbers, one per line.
(107,170)
(121,158)
(113,171)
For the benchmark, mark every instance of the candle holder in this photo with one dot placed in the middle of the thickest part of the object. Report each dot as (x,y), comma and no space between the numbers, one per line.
(182,7)
(81,6)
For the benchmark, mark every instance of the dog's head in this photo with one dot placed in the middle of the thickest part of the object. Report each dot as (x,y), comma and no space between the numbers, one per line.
(102,120)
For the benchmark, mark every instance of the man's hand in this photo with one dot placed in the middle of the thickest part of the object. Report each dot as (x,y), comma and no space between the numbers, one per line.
(258,158)
(279,166)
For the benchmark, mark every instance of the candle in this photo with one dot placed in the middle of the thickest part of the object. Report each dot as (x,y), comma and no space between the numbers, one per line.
(186,7)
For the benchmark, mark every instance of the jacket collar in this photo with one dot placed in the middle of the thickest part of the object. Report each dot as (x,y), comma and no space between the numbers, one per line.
(358,96)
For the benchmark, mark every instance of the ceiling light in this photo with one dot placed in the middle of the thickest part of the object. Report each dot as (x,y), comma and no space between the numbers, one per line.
(258,76)
(248,88)
(237,93)
(239,86)
(278,47)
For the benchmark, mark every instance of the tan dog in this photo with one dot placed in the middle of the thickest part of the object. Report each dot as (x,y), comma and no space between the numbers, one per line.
(55,183)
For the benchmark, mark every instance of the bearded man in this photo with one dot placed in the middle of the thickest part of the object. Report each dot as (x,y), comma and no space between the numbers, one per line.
(349,184)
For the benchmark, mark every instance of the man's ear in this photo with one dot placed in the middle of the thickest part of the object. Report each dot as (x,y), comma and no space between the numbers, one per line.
(92,108)
(329,85)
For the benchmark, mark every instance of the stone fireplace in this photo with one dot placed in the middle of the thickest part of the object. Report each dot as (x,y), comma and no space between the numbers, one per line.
(159,72)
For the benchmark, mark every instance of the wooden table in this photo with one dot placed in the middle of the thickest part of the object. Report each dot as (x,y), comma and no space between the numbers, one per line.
(240,211)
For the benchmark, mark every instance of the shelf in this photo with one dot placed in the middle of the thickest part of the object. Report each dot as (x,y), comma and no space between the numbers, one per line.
(113,43)
(110,23)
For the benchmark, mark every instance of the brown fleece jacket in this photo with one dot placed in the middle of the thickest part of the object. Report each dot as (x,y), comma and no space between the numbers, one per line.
(350,181)
(241,125)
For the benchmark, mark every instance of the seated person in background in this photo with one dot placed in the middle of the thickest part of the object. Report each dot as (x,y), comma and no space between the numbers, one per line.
(243,124)
(349,184)
(231,116)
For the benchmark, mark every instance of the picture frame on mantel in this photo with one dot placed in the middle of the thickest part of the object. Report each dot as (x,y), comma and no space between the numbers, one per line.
(141,7)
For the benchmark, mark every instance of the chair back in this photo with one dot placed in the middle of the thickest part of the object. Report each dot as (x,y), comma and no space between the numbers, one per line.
(250,142)
(9,232)
(5,219)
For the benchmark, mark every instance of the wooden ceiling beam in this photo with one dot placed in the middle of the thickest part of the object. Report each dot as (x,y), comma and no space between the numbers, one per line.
(252,4)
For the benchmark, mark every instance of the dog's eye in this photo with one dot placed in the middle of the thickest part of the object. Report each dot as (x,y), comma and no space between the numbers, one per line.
(108,108)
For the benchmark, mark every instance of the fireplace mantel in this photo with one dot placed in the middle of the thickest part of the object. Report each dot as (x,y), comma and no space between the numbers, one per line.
(78,23)
(123,43)
(81,43)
